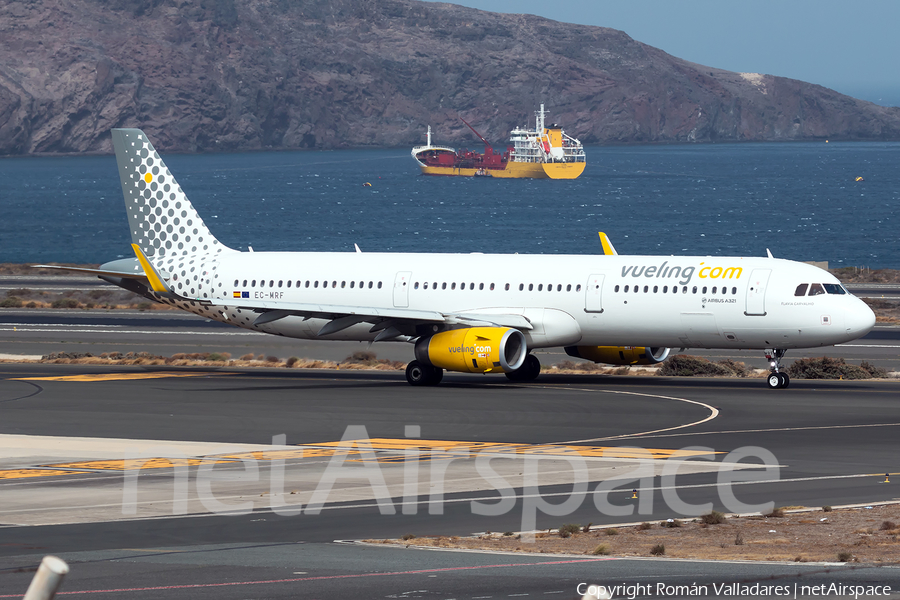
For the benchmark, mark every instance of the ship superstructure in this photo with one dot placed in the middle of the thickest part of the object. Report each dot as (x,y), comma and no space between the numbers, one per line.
(542,152)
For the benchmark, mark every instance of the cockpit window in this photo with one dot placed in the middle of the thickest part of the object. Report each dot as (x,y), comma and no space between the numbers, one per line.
(816,289)
(801,289)
(834,288)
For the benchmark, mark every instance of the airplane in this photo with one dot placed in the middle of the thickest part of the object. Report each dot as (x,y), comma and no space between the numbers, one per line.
(474,313)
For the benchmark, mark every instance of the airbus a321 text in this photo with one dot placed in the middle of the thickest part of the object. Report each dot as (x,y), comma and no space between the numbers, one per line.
(475,313)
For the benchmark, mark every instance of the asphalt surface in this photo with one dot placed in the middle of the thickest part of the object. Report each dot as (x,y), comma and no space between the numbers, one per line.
(835,440)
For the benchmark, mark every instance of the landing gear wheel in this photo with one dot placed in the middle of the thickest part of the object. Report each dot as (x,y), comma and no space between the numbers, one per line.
(785,380)
(777,379)
(419,374)
(529,370)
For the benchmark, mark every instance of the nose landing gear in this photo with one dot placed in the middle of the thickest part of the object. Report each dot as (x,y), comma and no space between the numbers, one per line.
(776,379)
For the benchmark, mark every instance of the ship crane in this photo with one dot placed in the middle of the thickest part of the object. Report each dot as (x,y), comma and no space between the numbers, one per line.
(488,149)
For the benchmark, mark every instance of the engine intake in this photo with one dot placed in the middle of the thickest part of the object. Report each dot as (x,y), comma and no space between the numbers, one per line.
(619,355)
(474,350)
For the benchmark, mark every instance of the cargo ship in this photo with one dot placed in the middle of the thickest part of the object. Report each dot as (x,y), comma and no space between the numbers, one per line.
(539,153)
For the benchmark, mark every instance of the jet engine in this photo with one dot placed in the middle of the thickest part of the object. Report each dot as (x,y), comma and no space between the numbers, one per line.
(474,350)
(619,355)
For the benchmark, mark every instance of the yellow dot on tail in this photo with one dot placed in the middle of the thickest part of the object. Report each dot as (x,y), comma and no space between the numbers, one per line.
(148,177)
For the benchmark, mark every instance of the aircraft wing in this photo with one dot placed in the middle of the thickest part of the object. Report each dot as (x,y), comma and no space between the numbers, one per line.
(391,322)
(97,272)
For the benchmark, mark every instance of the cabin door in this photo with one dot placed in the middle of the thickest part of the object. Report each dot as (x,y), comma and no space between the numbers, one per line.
(756,292)
(401,289)
(593,294)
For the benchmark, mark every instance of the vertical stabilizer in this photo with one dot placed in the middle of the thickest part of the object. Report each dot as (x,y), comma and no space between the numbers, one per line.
(161,218)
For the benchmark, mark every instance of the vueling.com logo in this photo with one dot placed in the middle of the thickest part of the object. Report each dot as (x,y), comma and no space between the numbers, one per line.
(685,273)
(470,350)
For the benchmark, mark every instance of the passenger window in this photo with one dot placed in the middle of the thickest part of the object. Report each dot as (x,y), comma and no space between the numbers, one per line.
(569,288)
(655,289)
(280,282)
(834,288)
(695,289)
(444,286)
(471,286)
(540,287)
(316,283)
(674,289)
(425,286)
(453,286)
(235,283)
(714,289)
(353,284)
(684,290)
(306,284)
(636,289)
(578,288)
(626,289)
(801,289)
(289,283)
(646,288)
(334,284)
(559,287)
(253,284)
(521,286)
(734,291)
(704,289)
(433,285)
(379,285)
(271,283)
(417,285)
(492,287)
(507,287)
(616,289)
(530,287)
(262,283)
(665,289)
(245,283)
(816,289)
(480,286)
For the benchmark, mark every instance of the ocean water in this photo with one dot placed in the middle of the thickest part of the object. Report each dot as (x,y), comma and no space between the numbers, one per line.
(800,200)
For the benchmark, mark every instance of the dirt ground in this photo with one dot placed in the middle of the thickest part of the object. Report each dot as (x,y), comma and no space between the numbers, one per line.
(866,535)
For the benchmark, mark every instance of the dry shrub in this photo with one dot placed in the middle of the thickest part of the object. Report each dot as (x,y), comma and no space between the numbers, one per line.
(684,365)
(826,367)
(713,518)
(644,526)
(776,513)
(291,362)
(658,550)
(273,359)
(248,357)
(888,526)
(601,550)
(568,529)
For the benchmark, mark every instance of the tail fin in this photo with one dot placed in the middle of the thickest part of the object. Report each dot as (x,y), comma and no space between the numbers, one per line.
(161,218)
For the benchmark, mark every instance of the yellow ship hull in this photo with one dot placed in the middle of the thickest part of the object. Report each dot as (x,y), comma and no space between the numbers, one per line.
(516,170)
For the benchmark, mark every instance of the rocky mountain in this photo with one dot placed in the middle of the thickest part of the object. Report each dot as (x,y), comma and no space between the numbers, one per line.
(206,75)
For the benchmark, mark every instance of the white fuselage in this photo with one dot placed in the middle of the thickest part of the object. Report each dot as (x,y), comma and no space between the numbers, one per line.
(569,299)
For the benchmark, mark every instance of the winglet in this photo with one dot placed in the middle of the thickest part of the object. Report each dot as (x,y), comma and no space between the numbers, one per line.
(156,281)
(607,245)
(769,253)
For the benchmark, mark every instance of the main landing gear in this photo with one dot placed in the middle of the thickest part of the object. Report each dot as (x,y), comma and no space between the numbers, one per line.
(776,378)
(529,370)
(419,374)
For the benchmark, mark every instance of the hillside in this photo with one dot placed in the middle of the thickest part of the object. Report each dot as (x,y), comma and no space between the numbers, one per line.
(219,75)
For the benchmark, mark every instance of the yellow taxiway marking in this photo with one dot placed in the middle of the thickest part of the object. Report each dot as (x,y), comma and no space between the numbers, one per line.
(119,376)
(526,449)
(23,473)
(432,449)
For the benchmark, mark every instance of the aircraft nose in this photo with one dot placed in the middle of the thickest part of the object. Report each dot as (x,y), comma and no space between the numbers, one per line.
(859,320)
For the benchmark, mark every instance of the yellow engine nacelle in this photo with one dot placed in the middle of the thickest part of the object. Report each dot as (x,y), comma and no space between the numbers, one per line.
(474,350)
(619,355)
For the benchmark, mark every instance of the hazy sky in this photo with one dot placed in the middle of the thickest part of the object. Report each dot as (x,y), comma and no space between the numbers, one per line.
(852,47)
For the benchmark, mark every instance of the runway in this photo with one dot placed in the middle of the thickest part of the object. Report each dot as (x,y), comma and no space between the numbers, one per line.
(37,333)
(834,442)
